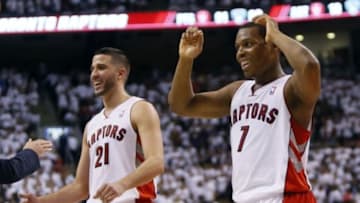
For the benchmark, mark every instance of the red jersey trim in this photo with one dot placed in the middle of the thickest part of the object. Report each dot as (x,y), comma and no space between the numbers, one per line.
(146,191)
(302,135)
(296,178)
(299,197)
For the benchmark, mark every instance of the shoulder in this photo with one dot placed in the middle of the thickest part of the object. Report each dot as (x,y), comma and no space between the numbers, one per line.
(142,106)
(290,93)
(143,113)
(94,118)
(85,130)
(234,86)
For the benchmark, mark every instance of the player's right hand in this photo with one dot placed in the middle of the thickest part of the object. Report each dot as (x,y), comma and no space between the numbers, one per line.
(29,198)
(191,43)
(40,147)
(272,27)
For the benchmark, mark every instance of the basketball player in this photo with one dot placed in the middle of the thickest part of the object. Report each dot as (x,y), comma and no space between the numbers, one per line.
(122,148)
(270,114)
(25,162)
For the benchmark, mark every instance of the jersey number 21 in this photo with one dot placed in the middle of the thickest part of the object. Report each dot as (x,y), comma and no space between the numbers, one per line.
(102,155)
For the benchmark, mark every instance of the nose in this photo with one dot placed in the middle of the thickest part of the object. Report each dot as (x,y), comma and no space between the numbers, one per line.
(93,74)
(240,53)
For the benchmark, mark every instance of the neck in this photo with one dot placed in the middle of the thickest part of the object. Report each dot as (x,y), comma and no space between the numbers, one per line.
(115,97)
(270,75)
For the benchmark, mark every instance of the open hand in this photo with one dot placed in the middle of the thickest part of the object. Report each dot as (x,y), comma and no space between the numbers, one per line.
(271,25)
(191,43)
(40,146)
(29,198)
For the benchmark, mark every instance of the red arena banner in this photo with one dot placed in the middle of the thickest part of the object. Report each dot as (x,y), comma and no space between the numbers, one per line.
(175,20)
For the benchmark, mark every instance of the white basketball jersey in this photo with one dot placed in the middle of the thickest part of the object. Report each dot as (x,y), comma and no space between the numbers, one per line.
(115,151)
(269,149)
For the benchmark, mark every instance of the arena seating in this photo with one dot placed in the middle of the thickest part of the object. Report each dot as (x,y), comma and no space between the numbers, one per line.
(198,164)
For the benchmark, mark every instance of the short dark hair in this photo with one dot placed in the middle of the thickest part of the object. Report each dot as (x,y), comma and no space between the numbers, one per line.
(261,28)
(117,55)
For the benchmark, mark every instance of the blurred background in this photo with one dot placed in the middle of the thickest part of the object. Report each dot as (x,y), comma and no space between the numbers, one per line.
(45,54)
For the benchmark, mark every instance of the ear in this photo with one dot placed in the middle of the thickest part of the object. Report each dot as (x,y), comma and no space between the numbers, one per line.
(273,46)
(122,73)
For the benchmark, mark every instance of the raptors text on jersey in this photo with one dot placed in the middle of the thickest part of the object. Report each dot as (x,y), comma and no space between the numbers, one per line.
(115,151)
(269,149)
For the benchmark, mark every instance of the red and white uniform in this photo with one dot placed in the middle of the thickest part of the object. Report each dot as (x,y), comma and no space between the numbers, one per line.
(269,149)
(115,151)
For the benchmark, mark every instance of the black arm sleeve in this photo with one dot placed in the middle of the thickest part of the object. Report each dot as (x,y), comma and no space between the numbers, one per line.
(23,164)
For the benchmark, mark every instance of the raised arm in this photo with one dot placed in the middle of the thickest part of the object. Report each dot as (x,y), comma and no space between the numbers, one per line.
(303,88)
(182,99)
(146,121)
(74,192)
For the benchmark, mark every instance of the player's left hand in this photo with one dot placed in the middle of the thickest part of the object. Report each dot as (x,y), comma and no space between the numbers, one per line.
(272,27)
(109,191)
(29,198)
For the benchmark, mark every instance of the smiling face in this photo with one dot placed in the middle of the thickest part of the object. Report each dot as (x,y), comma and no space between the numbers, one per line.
(104,74)
(255,56)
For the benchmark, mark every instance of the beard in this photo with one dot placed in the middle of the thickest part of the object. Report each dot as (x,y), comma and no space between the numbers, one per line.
(106,87)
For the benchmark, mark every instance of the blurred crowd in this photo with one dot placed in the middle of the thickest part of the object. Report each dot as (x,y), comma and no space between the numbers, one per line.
(338,115)
(197,154)
(19,121)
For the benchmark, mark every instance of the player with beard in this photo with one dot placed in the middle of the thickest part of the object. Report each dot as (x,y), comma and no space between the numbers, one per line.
(122,148)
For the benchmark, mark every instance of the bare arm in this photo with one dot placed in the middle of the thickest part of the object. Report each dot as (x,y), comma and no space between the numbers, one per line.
(146,121)
(303,88)
(305,80)
(74,192)
(182,99)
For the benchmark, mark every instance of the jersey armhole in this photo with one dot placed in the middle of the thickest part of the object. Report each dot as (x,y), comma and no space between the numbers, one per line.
(132,127)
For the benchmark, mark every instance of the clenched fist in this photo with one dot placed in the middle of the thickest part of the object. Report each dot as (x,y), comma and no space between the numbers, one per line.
(109,191)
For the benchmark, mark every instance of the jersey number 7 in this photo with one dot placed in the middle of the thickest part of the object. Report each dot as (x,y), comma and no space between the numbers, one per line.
(245,130)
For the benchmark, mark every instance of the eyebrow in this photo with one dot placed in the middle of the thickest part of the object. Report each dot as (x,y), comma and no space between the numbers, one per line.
(242,40)
(98,64)
(245,39)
